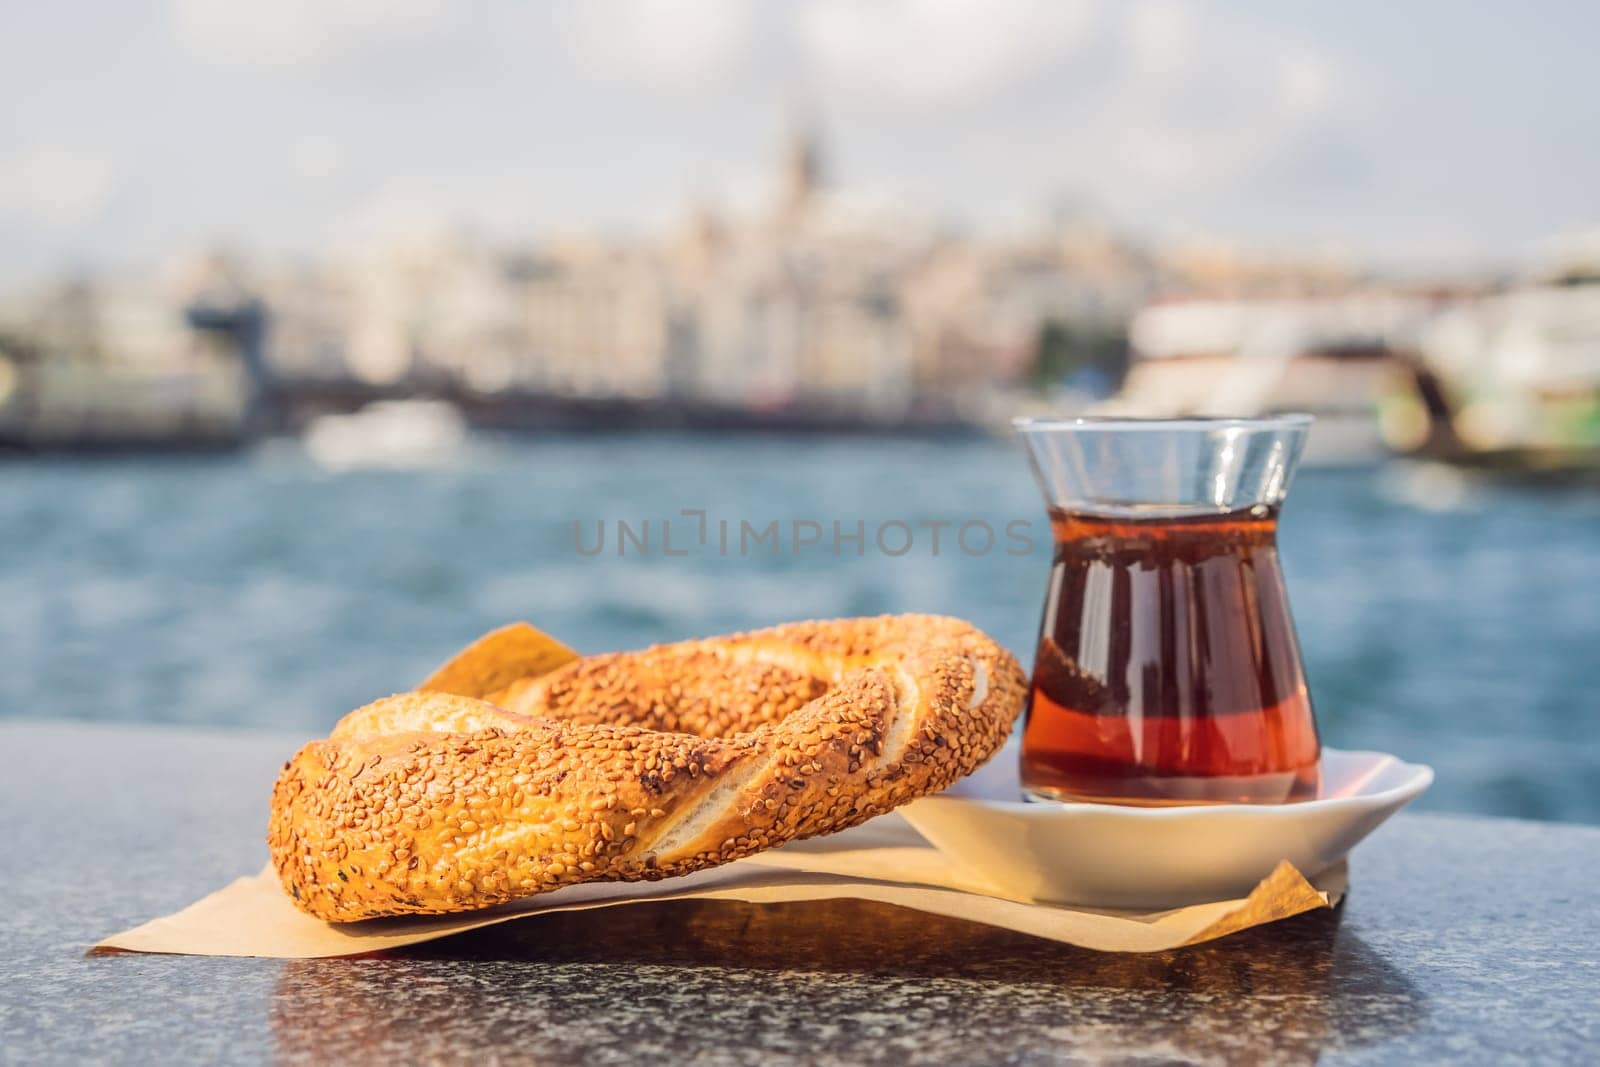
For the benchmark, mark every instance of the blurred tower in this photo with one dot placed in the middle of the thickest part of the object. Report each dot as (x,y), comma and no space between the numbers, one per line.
(802,175)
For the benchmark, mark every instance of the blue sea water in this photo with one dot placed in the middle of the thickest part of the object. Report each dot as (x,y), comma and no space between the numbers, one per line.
(1448,622)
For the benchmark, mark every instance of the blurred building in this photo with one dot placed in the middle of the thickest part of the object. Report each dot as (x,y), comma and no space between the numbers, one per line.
(116,362)
(820,300)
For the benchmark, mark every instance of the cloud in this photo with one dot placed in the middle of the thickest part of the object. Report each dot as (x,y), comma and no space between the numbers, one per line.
(937,52)
(1168,92)
(403,209)
(1172,116)
(316,158)
(275,35)
(56,186)
(1204,96)
(677,44)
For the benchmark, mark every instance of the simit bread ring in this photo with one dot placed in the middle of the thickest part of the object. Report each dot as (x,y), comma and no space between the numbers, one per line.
(633,765)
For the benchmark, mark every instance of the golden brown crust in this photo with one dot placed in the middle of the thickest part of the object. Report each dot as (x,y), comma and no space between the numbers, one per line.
(635,765)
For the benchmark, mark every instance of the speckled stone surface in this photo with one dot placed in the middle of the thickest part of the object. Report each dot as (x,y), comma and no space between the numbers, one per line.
(1462,940)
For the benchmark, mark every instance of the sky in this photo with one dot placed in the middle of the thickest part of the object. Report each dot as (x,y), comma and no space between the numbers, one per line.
(1413,134)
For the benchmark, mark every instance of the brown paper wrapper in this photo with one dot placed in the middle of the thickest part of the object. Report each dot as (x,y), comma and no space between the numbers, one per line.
(885,860)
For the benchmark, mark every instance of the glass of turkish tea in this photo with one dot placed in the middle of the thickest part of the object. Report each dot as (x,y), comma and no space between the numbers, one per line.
(1167,670)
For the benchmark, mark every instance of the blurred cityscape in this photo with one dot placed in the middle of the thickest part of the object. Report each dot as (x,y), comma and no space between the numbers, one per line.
(821,311)
(517,265)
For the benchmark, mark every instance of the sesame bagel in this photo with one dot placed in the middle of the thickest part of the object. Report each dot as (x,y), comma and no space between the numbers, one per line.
(486,786)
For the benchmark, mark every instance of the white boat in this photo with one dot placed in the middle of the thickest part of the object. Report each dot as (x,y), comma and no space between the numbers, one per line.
(387,434)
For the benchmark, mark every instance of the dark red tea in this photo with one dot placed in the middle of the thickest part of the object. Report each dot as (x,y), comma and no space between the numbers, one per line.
(1167,670)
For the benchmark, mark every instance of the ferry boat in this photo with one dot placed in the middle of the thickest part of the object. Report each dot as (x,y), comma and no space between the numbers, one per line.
(1339,359)
(1503,382)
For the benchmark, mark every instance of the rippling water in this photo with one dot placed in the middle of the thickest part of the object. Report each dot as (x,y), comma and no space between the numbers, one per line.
(1451,624)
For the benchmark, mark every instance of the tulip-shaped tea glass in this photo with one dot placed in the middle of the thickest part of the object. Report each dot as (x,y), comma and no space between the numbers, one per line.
(1167,670)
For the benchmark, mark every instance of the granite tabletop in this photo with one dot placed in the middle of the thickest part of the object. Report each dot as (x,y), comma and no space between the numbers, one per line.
(1462,940)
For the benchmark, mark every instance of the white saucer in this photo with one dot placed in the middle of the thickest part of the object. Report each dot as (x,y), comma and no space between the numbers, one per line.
(1110,856)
